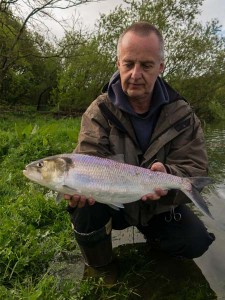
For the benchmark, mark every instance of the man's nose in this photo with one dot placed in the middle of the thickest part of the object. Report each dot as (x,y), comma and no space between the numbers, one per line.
(136,72)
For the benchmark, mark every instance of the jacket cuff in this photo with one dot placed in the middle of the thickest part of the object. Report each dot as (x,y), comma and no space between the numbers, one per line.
(70,209)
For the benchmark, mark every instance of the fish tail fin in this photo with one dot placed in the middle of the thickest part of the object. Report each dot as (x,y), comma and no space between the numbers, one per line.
(197,183)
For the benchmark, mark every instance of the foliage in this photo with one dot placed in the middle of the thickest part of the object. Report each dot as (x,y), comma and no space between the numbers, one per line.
(35,231)
(86,70)
(206,94)
(24,74)
(28,63)
(68,74)
(33,227)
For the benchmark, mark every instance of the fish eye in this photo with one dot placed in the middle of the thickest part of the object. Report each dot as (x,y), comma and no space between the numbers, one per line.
(40,164)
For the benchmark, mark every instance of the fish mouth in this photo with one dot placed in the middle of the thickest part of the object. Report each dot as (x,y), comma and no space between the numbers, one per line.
(30,176)
(24,171)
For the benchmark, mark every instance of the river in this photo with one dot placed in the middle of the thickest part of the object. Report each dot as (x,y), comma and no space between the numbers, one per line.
(212,263)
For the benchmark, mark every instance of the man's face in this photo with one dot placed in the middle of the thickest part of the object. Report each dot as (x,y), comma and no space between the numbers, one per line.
(139,64)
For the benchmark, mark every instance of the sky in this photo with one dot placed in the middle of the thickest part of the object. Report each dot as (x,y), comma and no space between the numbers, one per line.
(210,9)
(90,12)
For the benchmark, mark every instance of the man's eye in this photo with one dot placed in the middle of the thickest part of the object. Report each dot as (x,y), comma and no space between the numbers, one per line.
(128,65)
(147,67)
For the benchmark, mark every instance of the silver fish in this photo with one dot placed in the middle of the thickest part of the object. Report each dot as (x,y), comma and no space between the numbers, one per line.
(109,181)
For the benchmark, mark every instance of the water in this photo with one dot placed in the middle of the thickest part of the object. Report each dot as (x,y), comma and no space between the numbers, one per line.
(212,263)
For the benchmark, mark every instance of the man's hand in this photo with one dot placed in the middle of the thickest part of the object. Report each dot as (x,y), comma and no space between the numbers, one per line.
(78,200)
(158,193)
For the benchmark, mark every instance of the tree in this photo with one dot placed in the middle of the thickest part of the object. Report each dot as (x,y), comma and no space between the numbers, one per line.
(25,70)
(194,51)
(85,71)
(20,44)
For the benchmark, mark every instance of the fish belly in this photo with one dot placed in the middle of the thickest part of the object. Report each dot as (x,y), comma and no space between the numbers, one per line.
(113,185)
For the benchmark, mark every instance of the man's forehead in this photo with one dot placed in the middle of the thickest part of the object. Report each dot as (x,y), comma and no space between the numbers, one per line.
(139,60)
(140,44)
(132,37)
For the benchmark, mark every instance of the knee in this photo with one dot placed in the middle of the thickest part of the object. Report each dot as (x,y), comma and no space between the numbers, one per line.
(190,247)
(90,217)
(197,246)
(190,238)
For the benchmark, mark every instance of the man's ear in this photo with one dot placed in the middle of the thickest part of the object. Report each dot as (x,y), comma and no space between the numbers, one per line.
(118,63)
(162,67)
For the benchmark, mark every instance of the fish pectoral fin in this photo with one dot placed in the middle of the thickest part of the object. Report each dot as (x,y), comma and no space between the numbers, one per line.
(116,206)
(59,197)
(70,191)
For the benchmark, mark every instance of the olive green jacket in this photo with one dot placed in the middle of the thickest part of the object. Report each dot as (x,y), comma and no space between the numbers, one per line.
(177,142)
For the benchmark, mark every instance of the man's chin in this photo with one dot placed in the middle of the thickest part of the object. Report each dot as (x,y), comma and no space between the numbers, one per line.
(134,94)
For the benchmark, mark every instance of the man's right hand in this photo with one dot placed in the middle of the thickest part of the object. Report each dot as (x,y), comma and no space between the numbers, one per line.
(78,200)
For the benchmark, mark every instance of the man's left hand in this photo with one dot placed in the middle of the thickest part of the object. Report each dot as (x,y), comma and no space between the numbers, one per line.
(158,193)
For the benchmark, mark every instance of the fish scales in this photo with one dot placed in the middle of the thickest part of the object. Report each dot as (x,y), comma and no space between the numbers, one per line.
(113,177)
(109,181)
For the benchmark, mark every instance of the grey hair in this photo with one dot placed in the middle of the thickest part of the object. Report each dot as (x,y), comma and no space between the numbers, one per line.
(142,29)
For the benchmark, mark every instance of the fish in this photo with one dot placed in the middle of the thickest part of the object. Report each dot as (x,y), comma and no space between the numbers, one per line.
(109,181)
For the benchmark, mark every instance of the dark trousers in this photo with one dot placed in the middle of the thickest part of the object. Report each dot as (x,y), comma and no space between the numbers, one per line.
(187,237)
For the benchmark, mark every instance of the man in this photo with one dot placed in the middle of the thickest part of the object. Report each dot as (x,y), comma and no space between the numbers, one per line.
(142,121)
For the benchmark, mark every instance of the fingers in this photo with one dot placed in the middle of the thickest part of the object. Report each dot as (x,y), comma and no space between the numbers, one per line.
(158,193)
(159,167)
(91,201)
(78,200)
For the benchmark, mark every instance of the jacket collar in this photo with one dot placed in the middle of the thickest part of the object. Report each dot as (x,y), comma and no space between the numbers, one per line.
(171,114)
(119,98)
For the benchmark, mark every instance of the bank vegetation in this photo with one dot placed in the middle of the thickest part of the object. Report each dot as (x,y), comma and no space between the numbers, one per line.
(44,73)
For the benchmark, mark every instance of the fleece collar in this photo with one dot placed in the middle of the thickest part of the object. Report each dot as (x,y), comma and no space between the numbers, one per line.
(119,98)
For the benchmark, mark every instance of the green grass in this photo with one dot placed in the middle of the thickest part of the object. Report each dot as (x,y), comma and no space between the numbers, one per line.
(33,228)
(36,234)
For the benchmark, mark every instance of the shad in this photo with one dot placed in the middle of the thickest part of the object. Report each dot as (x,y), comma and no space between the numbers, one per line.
(108,181)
